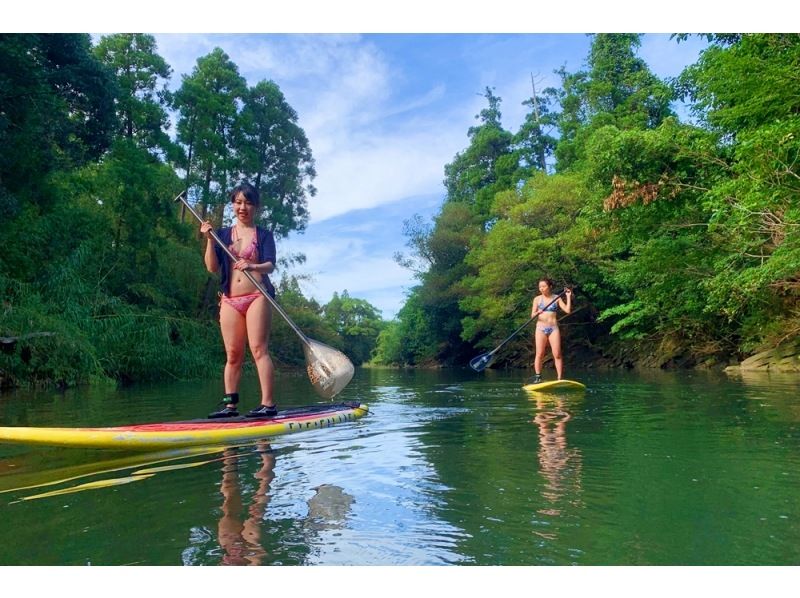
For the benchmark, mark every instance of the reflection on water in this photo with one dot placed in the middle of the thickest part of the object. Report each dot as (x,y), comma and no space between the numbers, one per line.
(246,527)
(559,464)
(65,475)
(239,535)
(450,467)
(328,508)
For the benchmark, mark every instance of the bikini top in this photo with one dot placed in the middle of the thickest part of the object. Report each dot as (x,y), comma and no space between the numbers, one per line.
(265,253)
(248,252)
(552,307)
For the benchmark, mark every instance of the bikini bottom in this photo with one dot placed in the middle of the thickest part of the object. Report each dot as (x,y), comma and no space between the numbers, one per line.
(548,330)
(241,303)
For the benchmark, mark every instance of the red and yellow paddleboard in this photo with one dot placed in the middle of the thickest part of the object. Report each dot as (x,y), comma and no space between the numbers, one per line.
(555,385)
(198,432)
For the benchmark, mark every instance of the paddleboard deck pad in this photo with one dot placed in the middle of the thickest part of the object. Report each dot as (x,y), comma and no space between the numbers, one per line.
(555,385)
(197,432)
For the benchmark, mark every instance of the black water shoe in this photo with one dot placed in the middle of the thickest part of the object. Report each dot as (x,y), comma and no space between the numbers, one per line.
(229,402)
(264,411)
(224,412)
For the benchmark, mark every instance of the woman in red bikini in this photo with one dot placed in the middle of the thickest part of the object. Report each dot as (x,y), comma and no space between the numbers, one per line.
(545,307)
(244,313)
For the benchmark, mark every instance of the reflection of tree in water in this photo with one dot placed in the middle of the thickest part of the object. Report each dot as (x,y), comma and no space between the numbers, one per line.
(245,535)
(559,465)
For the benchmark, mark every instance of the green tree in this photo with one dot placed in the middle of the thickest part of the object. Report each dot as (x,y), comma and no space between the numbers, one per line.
(538,234)
(357,322)
(753,205)
(142,79)
(454,231)
(487,165)
(534,143)
(207,102)
(56,112)
(275,155)
(617,89)
(701,221)
(411,339)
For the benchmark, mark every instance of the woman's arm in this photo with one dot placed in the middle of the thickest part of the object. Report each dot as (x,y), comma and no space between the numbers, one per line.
(264,268)
(210,257)
(534,312)
(266,252)
(566,306)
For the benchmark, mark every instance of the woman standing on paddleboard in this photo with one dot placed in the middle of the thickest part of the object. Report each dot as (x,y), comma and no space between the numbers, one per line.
(545,306)
(244,313)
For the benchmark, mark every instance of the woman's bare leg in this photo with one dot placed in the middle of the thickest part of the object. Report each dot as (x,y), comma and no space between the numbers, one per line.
(555,346)
(259,319)
(234,334)
(541,346)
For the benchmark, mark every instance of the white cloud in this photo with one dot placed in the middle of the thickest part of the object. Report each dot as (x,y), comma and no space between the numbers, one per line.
(342,88)
(362,159)
(358,275)
(382,170)
(345,262)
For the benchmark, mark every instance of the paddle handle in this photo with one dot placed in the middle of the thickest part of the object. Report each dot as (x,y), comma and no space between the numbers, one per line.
(257,283)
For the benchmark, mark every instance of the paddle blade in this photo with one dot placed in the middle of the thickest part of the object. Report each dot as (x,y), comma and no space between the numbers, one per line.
(480,362)
(328,369)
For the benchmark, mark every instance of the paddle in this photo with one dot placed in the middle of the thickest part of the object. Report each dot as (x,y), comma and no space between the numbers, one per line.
(328,369)
(480,362)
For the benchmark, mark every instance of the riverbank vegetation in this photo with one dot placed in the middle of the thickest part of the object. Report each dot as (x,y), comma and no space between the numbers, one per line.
(681,236)
(679,232)
(101,276)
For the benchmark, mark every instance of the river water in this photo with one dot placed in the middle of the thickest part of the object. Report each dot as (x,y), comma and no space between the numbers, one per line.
(449,467)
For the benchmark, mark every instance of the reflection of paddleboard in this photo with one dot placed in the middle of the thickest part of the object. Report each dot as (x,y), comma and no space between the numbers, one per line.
(51,477)
(555,385)
(204,432)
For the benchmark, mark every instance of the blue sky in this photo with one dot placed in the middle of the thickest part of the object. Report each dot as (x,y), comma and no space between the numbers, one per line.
(384,114)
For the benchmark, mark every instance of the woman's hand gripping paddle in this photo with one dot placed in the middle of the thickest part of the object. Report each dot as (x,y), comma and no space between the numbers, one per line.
(328,369)
(481,362)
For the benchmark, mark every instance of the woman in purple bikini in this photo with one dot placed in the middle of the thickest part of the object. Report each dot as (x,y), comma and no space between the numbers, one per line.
(244,313)
(545,305)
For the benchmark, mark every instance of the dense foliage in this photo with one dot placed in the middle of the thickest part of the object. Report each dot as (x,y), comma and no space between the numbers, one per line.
(681,238)
(100,278)
(680,235)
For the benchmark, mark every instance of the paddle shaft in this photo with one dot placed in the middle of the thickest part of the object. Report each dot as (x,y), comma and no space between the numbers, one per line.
(250,277)
(484,359)
(518,330)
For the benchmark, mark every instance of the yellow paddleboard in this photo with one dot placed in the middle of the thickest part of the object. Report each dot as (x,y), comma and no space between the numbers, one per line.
(555,385)
(203,432)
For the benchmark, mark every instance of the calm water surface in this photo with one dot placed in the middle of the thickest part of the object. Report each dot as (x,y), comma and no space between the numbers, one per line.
(449,468)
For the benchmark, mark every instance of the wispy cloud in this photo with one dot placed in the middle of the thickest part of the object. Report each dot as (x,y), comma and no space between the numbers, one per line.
(357,257)
(355,252)
(382,170)
(342,88)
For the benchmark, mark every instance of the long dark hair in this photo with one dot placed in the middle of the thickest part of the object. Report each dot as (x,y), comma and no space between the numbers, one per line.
(250,193)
